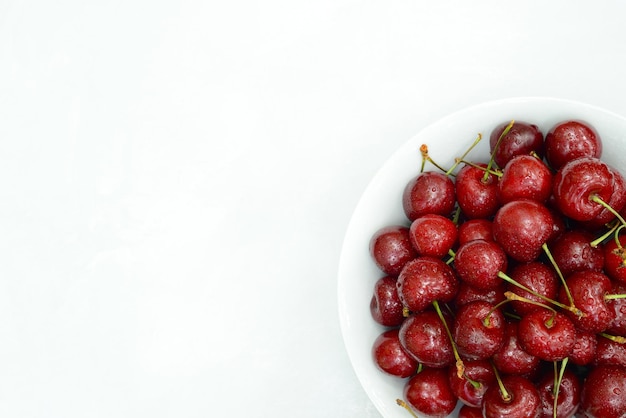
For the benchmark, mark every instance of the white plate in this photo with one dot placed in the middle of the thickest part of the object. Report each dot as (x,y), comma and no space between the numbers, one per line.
(381,205)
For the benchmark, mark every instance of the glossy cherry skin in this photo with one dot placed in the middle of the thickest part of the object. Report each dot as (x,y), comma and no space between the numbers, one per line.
(522,139)
(525,177)
(478,330)
(433,235)
(476,196)
(390,357)
(429,393)
(511,358)
(428,192)
(584,350)
(467,294)
(480,372)
(386,307)
(424,280)
(615,259)
(469,412)
(478,263)
(390,248)
(610,353)
(424,336)
(588,289)
(577,182)
(535,276)
(548,335)
(524,403)
(521,228)
(572,251)
(475,229)
(603,393)
(617,201)
(568,397)
(569,140)
(618,310)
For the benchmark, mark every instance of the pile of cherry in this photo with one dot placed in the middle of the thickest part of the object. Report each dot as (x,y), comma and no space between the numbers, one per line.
(505,288)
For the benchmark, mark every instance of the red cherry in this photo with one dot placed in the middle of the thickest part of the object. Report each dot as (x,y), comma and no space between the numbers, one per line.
(424,280)
(475,229)
(588,289)
(385,306)
(615,260)
(569,140)
(522,139)
(523,399)
(539,278)
(568,399)
(475,194)
(478,330)
(522,227)
(572,251)
(478,263)
(467,294)
(525,177)
(429,393)
(617,201)
(577,183)
(603,393)
(548,335)
(424,336)
(390,248)
(618,310)
(428,192)
(511,358)
(610,353)
(433,235)
(481,374)
(469,412)
(391,357)
(584,350)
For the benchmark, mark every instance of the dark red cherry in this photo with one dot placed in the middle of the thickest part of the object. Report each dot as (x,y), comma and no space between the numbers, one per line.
(610,353)
(577,183)
(476,196)
(523,399)
(525,177)
(617,201)
(603,393)
(569,140)
(478,330)
(568,399)
(478,263)
(615,259)
(584,350)
(424,336)
(385,306)
(433,235)
(522,139)
(390,357)
(511,358)
(429,394)
(588,289)
(522,227)
(618,310)
(469,412)
(478,375)
(428,192)
(537,277)
(390,248)
(572,251)
(475,229)
(467,294)
(424,280)
(546,334)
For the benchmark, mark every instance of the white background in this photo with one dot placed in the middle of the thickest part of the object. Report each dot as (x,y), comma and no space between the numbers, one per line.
(176,178)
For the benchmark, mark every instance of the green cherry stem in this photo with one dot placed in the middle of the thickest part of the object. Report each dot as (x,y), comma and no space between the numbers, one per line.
(406,406)
(495,148)
(597,199)
(426,158)
(557,384)
(460,367)
(546,250)
(458,160)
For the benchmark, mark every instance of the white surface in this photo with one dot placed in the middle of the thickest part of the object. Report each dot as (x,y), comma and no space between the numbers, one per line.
(381,206)
(177,178)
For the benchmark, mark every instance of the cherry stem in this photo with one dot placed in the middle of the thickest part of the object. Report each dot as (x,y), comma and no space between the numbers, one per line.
(598,199)
(487,320)
(513,296)
(557,384)
(460,367)
(572,309)
(456,162)
(452,254)
(426,157)
(506,397)
(615,338)
(613,297)
(406,406)
(485,169)
(495,148)
(612,231)
(558,272)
